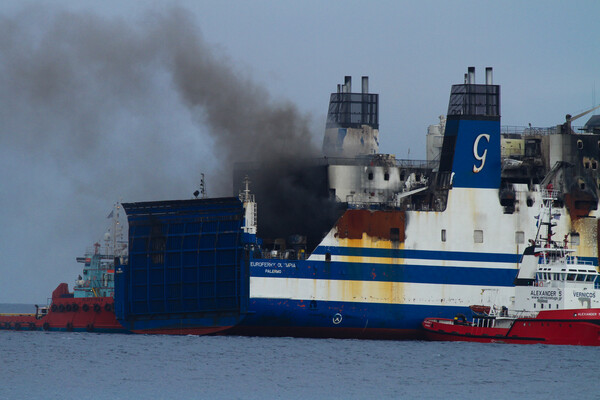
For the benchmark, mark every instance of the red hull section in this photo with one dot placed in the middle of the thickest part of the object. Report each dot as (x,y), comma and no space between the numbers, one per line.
(562,327)
(90,314)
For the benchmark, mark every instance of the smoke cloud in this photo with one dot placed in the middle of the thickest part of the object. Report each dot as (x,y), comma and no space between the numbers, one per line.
(95,110)
(79,85)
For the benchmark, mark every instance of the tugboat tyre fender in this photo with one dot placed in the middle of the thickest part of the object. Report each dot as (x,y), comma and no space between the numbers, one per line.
(460,318)
(75,307)
(85,308)
(108,307)
(69,327)
(46,326)
(32,326)
(61,308)
(17,326)
(89,327)
(68,308)
(54,308)
(97,308)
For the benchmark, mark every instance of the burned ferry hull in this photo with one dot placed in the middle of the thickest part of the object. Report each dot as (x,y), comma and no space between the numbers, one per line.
(413,240)
(399,252)
(376,286)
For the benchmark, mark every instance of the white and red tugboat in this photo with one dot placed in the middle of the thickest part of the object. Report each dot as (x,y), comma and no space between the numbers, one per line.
(556,299)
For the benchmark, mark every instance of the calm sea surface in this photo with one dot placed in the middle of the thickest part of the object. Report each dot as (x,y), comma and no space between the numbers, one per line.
(54,365)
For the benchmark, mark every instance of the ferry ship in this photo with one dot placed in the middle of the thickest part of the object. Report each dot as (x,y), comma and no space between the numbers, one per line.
(557,299)
(90,306)
(385,243)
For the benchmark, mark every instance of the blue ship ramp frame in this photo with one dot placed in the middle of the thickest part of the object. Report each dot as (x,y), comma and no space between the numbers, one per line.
(187,268)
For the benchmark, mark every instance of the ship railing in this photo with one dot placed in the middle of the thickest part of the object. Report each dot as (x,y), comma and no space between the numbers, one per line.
(533,131)
(383,161)
(521,314)
(366,160)
(550,194)
(482,322)
(103,252)
(107,252)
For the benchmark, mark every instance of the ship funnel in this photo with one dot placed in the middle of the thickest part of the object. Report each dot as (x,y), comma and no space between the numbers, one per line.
(488,76)
(352,127)
(347,84)
(470,156)
(471,76)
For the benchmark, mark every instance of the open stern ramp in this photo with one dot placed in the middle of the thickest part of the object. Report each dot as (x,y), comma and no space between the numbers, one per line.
(185,272)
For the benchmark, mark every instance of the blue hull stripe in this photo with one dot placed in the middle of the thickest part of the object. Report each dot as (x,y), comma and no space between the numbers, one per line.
(392,273)
(419,254)
(428,254)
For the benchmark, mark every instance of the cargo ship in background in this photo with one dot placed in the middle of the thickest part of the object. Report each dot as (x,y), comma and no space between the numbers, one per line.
(557,299)
(90,306)
(380,243)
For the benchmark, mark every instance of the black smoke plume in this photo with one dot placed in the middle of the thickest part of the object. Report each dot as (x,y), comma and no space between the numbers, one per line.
(97,109)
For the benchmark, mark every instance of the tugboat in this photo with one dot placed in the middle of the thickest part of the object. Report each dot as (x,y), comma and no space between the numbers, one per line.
(557,298)
(90,307)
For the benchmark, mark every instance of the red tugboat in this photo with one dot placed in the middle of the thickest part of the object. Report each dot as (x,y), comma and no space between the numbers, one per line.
(557,300)
(90,307)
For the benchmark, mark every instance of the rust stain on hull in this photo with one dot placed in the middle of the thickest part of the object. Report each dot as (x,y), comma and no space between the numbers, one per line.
(580,204)
(389,225)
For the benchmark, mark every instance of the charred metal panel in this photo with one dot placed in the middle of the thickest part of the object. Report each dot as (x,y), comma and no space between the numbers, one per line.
(387,225)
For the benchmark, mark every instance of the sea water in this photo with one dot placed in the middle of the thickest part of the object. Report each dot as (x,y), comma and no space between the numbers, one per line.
(60,365)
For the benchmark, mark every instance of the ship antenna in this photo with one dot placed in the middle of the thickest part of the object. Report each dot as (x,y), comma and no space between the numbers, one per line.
(549,239)
(202,191)
(202,186)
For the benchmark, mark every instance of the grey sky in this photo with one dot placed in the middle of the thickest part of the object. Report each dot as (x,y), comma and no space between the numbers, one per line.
(81,129)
